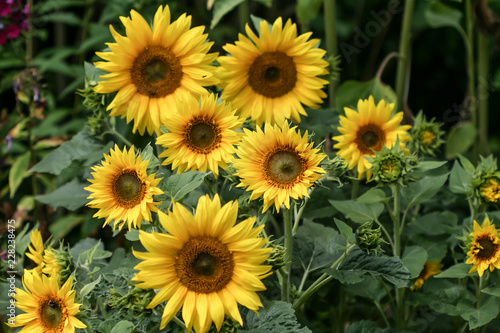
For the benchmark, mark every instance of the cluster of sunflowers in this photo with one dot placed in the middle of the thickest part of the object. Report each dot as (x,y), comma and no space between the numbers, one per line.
(206,263)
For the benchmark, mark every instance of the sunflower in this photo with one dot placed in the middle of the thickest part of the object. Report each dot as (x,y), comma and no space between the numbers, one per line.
(368,130)
(122,190)
(48,308)
(268,78)
(36,250)
(484,248)
(430,268)
(278,164)
(202,135)
(490,190)
(206,264)
(151,68)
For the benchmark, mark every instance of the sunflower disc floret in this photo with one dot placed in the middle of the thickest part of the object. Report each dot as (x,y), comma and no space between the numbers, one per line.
(483,248)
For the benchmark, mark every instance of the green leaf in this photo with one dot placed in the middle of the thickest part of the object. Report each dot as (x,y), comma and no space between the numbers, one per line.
(390,268)
(320,122)
(429,165)
(123,326)
(78,148)
(306,10)
(63,226)
(436,223)
(460,180)
(350,92)
(178,186)
(366,326)
(422,190)
(316,246)
(18,171)
(68,18)
(373,195)
(468,166)
(95,253)
(92,73)
(147,154)
(493,290)
(443,296)
(456,271)
(488,311)
(86,289)
(221,8)
(70,196)
(346,277)
(83,246)
(345,230)
(370,288)
(440,15)
(357,211)
(275,316)
(414,259)
(460,138)
(132,235)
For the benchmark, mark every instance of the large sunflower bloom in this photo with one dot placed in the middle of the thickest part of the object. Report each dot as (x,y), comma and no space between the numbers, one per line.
(151,68)
(268,78)
(122,190)
(430,268)
(206,264)
(368,130)
(48,308)
(278,164)
(484,248)
(202,135)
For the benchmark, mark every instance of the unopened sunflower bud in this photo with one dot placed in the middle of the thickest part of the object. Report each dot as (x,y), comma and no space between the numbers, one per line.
(490,190)
(277,257)
(426,135)
(57,262)
(369,239)
(136,300)
(393,165)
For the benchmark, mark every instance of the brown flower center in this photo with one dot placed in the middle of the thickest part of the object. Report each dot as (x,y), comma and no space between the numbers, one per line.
(272,74)
(156,72)
(52,315)
(202,135)
(128,189)
(488,248)
(370,137)
(204,265)
(283,167)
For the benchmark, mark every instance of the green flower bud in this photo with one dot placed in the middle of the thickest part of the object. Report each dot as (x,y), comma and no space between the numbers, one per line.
(369,239)
(276,257)
(426,135)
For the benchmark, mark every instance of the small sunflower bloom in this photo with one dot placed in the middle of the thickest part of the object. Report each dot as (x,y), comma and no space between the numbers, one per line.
(430,268)
(366,130)
(490,190)
(48,308)
(202,135)
(206,264)
(36,250)
(152,67)
(484,248)
(270,77)
(278,163)
(122,190)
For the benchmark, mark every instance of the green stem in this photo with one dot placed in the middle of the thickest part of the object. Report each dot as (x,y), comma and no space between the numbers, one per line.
(383,314)
(469,20)
(479,294)
(330,16)
(298,215)
(244,14)
(179,322)
(321,281)
(404,45)
(114,132)
(355,189)
(397,252)
(483,93)
(285,286)
(29,36)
